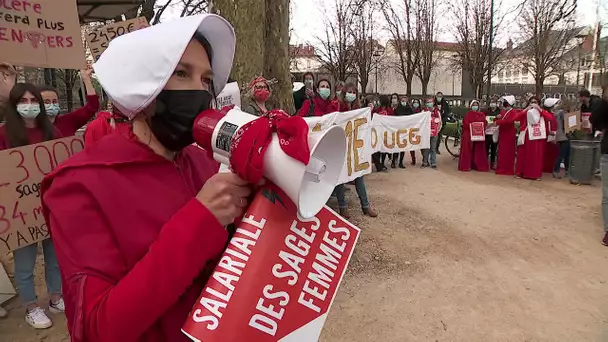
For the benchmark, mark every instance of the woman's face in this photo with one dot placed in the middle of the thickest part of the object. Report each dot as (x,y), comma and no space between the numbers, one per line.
(340,88)
(394,98)
(404,99)
(260,86)
(324,84)
(193,72)
(27,98)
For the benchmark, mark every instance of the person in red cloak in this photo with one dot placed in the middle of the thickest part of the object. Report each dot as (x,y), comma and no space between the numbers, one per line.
(138,219)
(530,154)
(551,149)
(104,124)
(71,122)
(506,137)
(321,104)
(473,153)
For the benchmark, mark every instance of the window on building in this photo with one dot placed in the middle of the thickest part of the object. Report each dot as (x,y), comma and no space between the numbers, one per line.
(524,71)
(508,73)
(501,74)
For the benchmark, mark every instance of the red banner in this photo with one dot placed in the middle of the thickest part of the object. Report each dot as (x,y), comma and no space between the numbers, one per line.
(278,275)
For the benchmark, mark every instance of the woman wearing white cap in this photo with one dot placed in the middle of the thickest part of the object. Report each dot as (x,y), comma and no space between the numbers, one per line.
(506,137)
(138,219)
(532,139)
(552,147)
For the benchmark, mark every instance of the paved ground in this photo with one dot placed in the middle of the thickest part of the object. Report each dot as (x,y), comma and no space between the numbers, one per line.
(460,257)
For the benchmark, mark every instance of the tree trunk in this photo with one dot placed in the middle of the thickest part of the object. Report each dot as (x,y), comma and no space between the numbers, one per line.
(276,53)
(408,85)
(538,88)
(425,86)
(248,17)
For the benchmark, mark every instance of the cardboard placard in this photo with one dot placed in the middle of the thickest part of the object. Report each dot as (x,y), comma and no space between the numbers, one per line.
(477,131)
(7,291)
(278,276)
(22,170)
(100,38)
(572,121)
(41,33)
(586,121)
(231,95)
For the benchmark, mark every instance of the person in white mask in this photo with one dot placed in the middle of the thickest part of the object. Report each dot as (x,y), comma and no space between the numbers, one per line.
(69,123)
(27,123)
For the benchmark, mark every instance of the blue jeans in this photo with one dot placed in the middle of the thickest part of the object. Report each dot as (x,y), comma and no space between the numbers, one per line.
(430,153)
(361,192)
(564,155)
(25,260)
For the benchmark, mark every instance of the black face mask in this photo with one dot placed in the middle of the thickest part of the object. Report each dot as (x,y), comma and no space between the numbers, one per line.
(505,104)
(174,117)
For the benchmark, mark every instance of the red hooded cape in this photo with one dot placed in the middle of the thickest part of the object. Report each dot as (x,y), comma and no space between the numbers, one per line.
(131,238)
(473,153)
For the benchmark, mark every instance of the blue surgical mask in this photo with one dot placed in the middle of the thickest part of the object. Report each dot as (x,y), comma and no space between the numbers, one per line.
(439,98)
(52,109)
(309,83)
(430,105)
(475,108)
(416,104)
(324,93)
(28,110)
(404,103)
(350,97)
(338,93)
(493,105)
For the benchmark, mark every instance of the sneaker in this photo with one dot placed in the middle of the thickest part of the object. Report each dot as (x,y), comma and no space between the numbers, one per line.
(434,167)
(344,213)
(413,163)
(57,307)
(557,175)
(370,212)
(37,318)
(401,166)
(3,312)
(424,165)
(393,165)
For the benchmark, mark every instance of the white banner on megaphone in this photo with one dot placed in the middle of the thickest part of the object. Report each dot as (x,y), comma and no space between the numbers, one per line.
(308,186)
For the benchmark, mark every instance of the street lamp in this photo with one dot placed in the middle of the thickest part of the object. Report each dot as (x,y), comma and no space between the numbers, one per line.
(378,52)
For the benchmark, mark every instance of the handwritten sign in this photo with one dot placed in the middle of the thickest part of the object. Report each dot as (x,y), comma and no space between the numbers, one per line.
(278,276)
(572,121)
(99,40)
(365,136)
(21,220)
(231,95)
(477,131)
(586,121)
(41,33)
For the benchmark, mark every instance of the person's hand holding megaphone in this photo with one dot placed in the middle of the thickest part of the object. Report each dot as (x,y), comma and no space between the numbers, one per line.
(226,196)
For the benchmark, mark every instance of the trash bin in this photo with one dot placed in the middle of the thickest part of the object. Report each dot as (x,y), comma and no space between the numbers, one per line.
(583,161)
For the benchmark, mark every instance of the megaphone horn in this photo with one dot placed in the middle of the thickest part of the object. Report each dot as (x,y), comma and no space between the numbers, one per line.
(308,186)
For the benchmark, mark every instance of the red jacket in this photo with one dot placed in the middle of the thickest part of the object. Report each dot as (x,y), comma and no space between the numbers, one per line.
(134,245)
(321,107)
(69,123)
(100,127)
(384,111)
(34,136)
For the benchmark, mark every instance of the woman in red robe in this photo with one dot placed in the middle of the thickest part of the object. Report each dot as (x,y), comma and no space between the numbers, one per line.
(506,137)
(530,153)
(473,153)
(551,149)
(153,205)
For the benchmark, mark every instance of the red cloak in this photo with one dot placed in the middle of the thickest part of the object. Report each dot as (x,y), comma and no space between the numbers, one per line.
(133,243)
(472,153)
(530,154)
(506,142)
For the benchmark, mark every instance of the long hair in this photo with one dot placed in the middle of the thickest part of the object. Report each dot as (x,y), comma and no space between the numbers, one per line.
(15,126)
(385,101)
(351,87)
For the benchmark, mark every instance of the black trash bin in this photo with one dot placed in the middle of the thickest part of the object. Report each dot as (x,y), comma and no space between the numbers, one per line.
(583,161)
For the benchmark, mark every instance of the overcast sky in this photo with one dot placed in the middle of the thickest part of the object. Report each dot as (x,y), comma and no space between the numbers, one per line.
(307,18)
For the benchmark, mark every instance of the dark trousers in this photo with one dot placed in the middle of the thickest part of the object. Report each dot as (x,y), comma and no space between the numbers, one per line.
(491,148)
(413,156)
(400,156)
(439,136)
(377,162)
(563,156)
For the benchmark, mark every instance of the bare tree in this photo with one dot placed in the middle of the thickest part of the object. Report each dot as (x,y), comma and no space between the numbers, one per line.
(400,25)
(426,28)
(336,45)
(474,34)
(548,28)
(364,32)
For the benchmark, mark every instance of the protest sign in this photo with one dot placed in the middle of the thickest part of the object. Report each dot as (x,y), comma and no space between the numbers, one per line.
(21,220)
(100,38)
(357,127)
(477,131)
(7,291)
(231,95)
(572,121)
(41,33)
(586,121)
(278,276)
(401,133)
